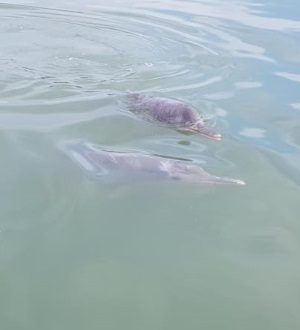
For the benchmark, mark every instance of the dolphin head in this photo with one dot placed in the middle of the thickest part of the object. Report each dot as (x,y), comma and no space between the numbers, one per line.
(201,129)
(197,125)
(191,173)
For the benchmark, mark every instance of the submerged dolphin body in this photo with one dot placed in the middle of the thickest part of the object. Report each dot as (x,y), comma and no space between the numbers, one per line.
(170,112)
(138,166)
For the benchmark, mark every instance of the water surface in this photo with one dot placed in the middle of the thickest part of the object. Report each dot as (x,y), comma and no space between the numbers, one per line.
(77,254)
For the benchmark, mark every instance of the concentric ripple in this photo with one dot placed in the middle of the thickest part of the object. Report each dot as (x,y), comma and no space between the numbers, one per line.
(52,55)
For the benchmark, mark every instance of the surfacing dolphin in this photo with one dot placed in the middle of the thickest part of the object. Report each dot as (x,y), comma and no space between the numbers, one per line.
(138,166)
(171,113)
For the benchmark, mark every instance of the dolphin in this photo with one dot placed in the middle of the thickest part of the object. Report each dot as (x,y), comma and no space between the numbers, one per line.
(170,112)
(135,166)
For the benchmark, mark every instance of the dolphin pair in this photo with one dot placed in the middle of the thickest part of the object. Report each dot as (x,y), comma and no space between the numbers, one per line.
(168,112)
(130,166)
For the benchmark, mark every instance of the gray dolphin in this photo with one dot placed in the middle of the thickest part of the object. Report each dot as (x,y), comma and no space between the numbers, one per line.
(170,112)
(138,166)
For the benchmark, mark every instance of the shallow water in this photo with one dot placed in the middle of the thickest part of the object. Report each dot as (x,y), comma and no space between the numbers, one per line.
(79,254)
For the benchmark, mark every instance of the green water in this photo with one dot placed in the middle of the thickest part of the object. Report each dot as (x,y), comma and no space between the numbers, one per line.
(79,254)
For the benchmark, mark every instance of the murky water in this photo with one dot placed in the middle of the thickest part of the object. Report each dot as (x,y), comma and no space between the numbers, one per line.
(79,254)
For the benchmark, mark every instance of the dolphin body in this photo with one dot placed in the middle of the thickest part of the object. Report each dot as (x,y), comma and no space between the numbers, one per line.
(140,167)
(171,113)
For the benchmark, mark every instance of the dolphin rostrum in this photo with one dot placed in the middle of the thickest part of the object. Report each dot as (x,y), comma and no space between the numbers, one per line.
(169,112)
(135,166)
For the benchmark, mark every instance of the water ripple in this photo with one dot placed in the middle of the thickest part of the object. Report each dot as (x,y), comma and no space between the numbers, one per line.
(65,65)
(110,50)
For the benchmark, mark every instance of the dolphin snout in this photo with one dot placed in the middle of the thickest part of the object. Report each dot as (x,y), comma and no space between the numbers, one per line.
(204,131)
